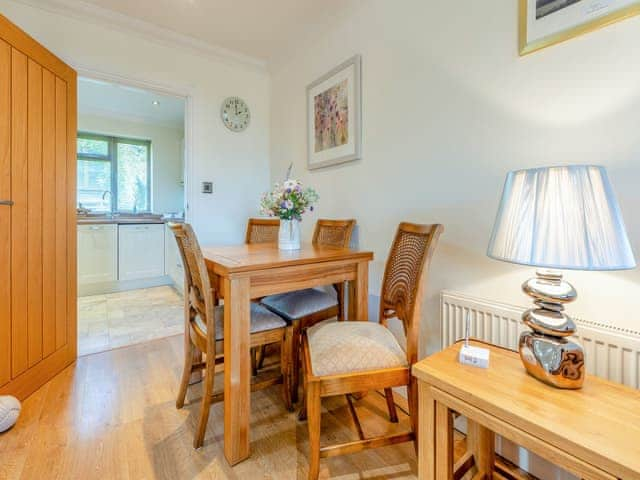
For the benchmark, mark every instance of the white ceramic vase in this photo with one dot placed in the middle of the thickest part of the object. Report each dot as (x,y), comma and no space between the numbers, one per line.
(289,235)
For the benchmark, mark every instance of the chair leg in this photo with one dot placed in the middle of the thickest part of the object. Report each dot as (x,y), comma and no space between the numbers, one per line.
(340,291)
(286,367)
(302,414)
(261,353)
(391,405)
(295,361)
(254,361)
(207,393)
(313,423)
(186,372)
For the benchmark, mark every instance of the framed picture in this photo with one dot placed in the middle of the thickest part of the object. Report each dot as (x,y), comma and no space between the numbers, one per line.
(334,132)
(547,22)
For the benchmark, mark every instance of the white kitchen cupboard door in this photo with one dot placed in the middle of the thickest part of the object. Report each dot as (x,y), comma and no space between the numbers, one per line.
(141,251)
(97,254)
(172,261)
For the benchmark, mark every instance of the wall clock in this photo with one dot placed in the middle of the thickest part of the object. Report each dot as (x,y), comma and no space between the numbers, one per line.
(235,114)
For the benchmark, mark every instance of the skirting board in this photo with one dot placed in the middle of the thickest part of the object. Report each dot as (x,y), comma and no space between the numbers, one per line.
(121,286)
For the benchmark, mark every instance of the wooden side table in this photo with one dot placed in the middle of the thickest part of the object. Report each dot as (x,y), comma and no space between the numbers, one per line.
(593,433)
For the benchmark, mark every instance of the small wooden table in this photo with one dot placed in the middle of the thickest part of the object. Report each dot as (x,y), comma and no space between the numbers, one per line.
(243,272)
(593,432)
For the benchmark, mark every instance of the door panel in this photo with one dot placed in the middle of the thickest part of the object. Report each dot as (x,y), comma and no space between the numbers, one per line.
(37,173)
(19,189)
(34,212)
(48,213)
(5,213)
(61,240)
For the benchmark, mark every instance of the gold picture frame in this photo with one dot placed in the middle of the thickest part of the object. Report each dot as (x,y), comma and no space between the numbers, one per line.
(526,47)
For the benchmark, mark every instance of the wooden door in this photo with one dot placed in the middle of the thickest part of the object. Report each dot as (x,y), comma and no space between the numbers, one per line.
(37,213)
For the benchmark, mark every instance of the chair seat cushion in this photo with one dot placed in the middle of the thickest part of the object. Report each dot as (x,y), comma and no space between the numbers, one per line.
(262,320)
(299,304)
(345,347)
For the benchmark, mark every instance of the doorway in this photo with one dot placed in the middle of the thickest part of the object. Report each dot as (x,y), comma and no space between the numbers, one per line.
(130,184)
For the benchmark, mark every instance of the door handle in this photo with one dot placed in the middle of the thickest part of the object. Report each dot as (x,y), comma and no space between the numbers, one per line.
(6,202)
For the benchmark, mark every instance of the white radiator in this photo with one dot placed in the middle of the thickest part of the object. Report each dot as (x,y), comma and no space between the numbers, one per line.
(610,352)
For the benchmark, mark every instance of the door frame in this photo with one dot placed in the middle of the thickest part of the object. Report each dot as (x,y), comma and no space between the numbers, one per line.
(165,89)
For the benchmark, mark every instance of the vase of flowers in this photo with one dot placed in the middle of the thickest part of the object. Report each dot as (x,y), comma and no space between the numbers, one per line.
(289,201)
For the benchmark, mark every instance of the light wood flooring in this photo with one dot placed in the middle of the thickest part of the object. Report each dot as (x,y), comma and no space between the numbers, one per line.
(112,415)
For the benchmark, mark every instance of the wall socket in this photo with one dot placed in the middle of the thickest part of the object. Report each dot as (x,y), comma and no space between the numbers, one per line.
(207,187)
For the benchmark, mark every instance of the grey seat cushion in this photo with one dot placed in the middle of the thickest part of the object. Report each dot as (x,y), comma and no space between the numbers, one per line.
(346,347)
(295,305)
(262,320)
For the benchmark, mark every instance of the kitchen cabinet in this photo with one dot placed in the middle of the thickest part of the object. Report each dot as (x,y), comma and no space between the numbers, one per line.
(97,254)
(172,260)
(141,251)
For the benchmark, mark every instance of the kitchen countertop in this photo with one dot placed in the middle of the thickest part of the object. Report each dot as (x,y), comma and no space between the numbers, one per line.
(124,220)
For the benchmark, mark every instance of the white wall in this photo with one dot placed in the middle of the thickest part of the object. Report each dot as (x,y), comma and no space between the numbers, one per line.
(448,108)
(167,194)
(236,163)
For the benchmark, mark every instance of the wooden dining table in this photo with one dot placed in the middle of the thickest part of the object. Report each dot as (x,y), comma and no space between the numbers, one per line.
(244,272)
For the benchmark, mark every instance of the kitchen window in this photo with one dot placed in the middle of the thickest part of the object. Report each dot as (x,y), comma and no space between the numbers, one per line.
(114,174)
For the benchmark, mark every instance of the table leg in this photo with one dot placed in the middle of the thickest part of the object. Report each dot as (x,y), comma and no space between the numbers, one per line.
(481,444)
(237,369)
(359,294)
(444,441)
(426,433)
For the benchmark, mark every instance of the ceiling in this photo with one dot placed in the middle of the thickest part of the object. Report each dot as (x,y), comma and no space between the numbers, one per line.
(262,29)
(96,97)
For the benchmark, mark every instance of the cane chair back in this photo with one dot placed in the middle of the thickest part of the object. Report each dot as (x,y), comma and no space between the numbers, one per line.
(199,298)
(262,230)
(333,233)
(401,294)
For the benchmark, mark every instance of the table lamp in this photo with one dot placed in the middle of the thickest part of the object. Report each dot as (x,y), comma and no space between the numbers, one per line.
(558,218)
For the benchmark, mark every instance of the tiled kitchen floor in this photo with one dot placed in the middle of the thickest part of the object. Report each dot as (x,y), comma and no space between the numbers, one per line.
(125,318)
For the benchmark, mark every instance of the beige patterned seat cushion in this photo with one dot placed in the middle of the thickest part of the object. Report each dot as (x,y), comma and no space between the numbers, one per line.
(262,320)
(344,347)
(295,305)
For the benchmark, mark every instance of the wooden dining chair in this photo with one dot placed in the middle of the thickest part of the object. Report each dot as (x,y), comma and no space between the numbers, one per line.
(262,230)
(204,329)
(304,308)
(265,231)
(345,357)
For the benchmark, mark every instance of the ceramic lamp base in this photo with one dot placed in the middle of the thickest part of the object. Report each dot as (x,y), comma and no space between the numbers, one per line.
(547,352)
(557,361)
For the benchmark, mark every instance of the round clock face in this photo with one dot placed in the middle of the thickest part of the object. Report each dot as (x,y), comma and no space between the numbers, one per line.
(235,114)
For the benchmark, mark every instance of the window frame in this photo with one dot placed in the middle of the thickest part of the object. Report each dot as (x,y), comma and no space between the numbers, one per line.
(112,158)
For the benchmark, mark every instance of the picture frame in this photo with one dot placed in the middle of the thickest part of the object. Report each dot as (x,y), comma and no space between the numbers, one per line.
(547,22)
(334,116)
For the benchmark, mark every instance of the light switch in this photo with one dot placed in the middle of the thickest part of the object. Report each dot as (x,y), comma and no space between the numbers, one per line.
(207,187)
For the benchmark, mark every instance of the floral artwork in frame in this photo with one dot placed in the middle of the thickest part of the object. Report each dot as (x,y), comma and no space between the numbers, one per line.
(333,111)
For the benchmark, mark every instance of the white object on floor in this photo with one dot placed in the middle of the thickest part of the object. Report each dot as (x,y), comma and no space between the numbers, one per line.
(9,412)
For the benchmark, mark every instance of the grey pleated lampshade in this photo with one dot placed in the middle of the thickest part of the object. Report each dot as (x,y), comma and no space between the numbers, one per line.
(561,217)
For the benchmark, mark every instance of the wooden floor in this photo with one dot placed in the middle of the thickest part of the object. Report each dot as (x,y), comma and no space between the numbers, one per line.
(112,416)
